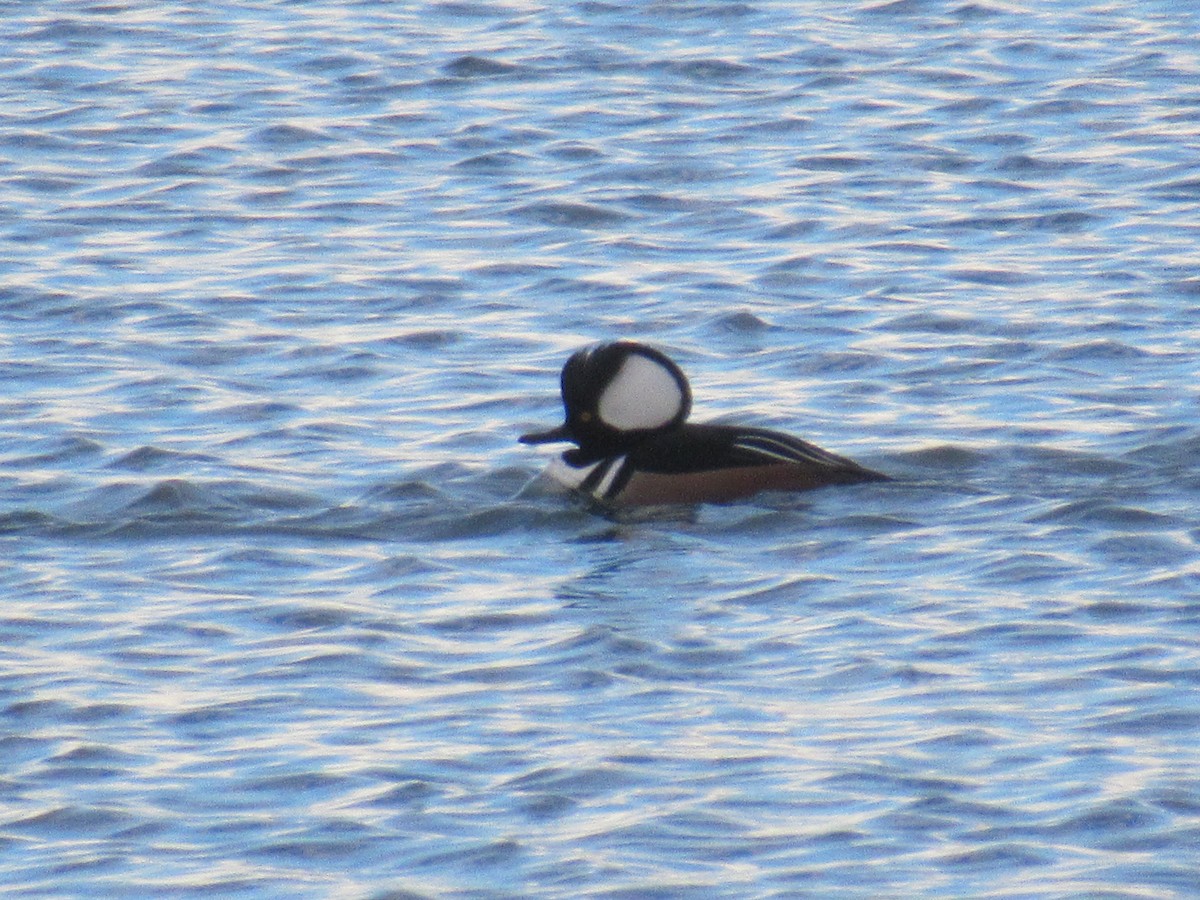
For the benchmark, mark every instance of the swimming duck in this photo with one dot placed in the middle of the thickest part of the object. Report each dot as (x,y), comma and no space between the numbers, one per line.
(626,411)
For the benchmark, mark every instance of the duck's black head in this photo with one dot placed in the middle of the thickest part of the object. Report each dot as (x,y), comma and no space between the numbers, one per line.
(615,394)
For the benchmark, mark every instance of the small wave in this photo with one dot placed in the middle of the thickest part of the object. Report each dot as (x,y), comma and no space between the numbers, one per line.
(572,215)
(711,70)
(742,322)
(1028,166)
(1106,513)
(832,163)
(289,137)
(471,66)
(1102,349)
(143,459)
(947,457)
(494,161)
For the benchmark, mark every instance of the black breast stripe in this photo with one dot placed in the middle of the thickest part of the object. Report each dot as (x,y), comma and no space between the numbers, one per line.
(594,477)
(608,478)
(621,479)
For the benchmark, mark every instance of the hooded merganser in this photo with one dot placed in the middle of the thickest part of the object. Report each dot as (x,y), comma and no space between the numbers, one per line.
(627,406)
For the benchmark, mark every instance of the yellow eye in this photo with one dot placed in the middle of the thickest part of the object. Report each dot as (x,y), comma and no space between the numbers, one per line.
(585,417)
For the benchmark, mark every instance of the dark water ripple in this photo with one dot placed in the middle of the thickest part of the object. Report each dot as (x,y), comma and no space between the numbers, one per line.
(281,282)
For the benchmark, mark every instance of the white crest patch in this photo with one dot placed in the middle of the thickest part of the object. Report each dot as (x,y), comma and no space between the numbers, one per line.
(642,395)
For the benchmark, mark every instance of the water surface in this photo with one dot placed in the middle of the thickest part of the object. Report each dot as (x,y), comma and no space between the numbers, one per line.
(280,284)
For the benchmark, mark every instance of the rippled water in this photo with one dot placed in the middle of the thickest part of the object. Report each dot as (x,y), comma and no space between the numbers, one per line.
(281,284)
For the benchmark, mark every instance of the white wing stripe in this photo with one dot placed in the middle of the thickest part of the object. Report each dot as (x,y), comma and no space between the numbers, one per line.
(785,451)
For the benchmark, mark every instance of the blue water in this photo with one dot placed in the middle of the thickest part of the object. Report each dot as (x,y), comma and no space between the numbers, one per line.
(281,283)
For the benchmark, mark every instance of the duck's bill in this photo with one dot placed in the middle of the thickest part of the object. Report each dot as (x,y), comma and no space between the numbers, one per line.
(546,437)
